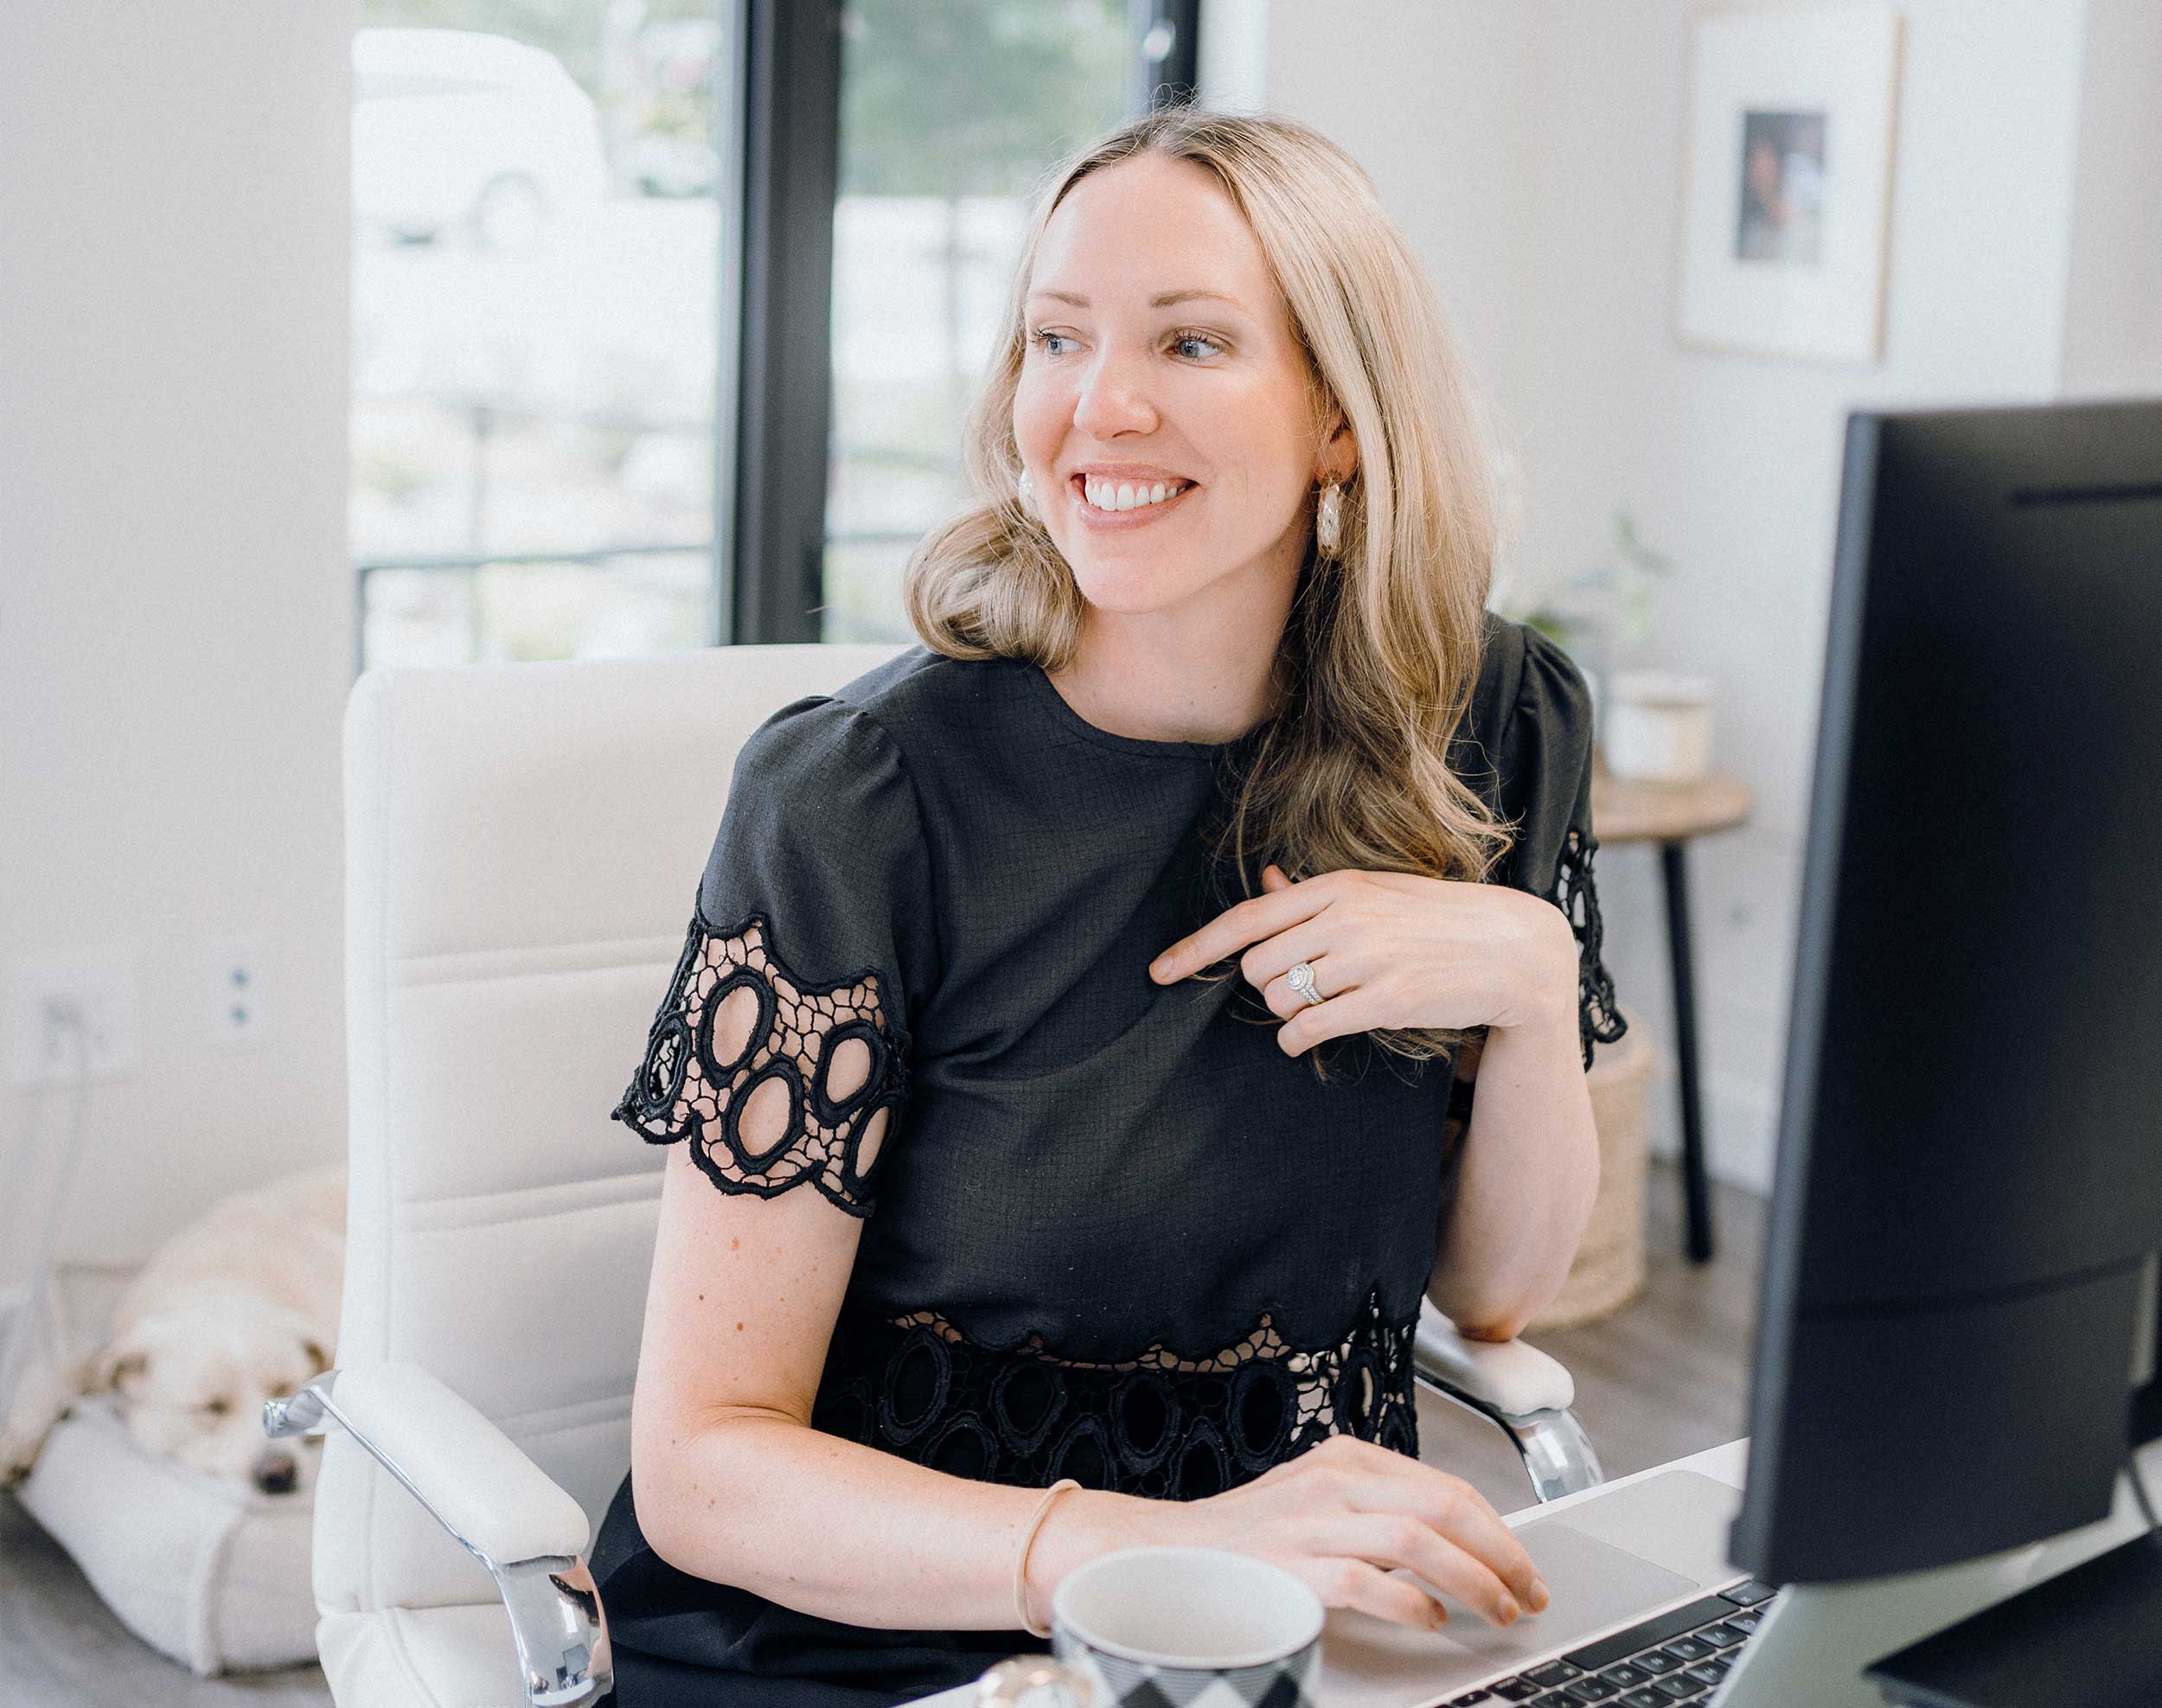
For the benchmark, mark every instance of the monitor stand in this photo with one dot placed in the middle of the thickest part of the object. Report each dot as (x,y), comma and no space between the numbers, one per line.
(1810,1651)
(2087,1636)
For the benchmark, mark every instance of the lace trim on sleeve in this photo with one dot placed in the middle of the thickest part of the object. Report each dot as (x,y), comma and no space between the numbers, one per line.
(1598,1017)
(738,1027)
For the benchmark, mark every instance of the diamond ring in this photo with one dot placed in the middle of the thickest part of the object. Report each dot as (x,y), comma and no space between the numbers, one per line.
(1301,978)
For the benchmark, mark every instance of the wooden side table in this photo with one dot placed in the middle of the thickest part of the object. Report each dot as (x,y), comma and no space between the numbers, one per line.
(1669,814)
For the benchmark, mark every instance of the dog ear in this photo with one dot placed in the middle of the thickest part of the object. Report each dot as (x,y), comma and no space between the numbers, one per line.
(119,1360)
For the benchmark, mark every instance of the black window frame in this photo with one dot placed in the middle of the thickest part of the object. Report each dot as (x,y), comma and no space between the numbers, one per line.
(789,102)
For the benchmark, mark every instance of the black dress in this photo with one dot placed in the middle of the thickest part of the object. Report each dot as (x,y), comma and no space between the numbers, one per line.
(1113,1231)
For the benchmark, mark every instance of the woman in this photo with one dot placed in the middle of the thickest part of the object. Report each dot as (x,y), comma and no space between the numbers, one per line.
(1006,941)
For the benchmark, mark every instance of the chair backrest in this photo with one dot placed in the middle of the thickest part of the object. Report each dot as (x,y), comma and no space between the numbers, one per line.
(523,849)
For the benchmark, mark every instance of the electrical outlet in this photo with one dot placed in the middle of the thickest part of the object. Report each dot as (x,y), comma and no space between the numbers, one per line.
(97,985)
(236,990)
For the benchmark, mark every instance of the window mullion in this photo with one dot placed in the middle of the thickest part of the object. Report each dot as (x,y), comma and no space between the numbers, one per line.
(792,174)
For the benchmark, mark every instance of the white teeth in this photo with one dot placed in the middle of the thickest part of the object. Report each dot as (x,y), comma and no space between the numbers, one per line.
(1125,496)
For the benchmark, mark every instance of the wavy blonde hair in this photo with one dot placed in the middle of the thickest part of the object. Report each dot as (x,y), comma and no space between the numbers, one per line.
(1378,660)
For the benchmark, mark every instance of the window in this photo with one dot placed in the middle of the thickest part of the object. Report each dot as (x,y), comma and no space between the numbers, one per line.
(583,230)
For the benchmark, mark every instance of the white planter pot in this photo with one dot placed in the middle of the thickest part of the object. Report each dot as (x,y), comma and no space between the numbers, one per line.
(1659,726)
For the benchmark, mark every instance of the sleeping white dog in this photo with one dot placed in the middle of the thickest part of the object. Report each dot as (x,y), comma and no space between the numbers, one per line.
(240,1306)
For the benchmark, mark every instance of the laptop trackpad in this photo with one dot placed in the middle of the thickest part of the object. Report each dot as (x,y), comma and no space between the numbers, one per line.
(1594,1583)
(1376,1663)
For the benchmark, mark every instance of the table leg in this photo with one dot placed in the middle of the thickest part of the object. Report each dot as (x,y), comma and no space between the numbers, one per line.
(1697,1189)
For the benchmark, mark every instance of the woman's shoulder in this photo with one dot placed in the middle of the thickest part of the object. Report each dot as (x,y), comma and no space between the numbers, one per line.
(933,705)
(901,709)
(1523,670)
(1529,695)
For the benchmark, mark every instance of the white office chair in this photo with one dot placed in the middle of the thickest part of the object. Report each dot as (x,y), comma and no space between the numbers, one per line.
(523,847)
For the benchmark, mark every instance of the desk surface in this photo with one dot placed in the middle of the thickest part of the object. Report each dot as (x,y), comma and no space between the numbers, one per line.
(1727,1463)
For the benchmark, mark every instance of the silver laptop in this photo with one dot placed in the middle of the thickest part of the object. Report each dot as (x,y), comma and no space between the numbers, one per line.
(1632,1573)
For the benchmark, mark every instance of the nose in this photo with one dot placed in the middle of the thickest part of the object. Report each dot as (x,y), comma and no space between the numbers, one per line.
(277,1472)
(1112,400)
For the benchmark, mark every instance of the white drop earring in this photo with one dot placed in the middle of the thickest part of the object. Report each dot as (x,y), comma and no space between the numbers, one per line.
(1328,520)
(1028,495)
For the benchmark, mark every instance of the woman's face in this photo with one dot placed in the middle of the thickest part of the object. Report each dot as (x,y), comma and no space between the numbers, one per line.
(1162,366)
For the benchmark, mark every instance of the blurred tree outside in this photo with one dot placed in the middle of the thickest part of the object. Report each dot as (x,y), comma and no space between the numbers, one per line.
(974,96)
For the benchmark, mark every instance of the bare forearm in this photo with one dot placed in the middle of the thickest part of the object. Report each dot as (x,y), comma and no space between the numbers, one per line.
(842,1530)
(1524,1191)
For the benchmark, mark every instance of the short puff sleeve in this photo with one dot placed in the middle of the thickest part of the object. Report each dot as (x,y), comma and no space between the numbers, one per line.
(812,931)
(1544,765)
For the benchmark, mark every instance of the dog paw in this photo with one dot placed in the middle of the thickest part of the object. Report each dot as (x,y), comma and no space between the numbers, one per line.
(47,1396)
(18,1453)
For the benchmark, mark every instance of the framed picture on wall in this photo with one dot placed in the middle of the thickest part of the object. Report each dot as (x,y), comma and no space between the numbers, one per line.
(1787,181)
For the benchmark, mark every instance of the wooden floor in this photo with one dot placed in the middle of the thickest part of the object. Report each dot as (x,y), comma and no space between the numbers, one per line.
(1659,1380)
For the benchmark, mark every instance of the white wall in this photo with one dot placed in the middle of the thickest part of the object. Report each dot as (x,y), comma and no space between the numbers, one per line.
(175,627)
(1434,100)
(2113,308)
(1532,153)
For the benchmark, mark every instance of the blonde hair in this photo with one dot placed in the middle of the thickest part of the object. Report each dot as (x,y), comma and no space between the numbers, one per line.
(1378,658)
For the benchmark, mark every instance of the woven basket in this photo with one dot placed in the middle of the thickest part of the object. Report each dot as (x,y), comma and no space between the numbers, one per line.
(1608,1271)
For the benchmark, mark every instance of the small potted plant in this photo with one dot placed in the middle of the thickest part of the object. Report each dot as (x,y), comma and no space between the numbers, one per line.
(1654,727)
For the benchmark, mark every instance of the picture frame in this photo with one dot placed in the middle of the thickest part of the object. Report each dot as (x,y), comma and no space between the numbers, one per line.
(1787,181)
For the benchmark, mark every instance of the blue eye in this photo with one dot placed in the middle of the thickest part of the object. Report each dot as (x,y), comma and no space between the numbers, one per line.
(1198,339)
(1042,341)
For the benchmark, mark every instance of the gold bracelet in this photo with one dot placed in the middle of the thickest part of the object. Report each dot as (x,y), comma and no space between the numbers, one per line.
(1020,1560)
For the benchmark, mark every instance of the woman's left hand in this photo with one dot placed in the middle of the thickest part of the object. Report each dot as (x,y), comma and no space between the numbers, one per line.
(1390,951)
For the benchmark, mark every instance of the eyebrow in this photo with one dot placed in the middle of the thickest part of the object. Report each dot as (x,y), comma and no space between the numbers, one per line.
(1162,300)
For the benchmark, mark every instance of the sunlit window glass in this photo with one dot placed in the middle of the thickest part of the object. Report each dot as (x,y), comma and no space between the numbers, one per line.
(540,230)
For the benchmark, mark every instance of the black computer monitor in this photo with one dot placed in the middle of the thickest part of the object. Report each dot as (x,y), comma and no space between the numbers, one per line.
(1957,1334)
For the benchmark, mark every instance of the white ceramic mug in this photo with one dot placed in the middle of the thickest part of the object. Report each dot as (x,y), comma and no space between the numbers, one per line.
(1176,1620)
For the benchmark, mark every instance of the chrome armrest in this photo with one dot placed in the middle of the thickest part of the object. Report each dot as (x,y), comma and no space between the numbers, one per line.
(1518,1387)
(499,1505)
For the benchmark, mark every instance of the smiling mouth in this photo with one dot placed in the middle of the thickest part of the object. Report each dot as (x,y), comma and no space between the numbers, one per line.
(1110,497)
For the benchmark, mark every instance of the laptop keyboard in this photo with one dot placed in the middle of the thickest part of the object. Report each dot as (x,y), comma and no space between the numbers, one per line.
(1671,1658)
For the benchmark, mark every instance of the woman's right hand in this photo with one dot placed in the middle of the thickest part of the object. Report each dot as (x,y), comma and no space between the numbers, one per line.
(1346,1513)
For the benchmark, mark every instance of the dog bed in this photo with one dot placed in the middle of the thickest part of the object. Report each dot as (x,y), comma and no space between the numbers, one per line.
(214,1574)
